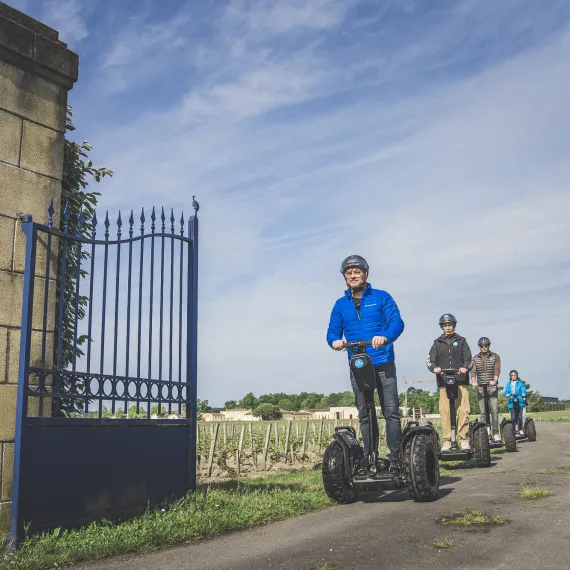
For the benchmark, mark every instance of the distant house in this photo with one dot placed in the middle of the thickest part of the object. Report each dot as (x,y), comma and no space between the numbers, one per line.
(549,400)
(212,417)
(317,413)
(300,415)
(238,415)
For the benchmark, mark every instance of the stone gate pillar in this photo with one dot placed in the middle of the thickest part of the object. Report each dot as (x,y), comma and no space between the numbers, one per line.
(36,72)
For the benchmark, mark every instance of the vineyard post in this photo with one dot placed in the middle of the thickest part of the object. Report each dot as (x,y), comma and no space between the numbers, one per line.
(212,448)
(266,447)
(238,453)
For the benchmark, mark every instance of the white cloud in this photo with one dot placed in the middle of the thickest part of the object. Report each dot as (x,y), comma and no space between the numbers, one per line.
(68,17)
(456,193)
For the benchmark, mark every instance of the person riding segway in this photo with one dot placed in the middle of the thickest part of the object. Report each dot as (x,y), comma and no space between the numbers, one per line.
(515,390)
(370,322)
(450,359)
(485,377)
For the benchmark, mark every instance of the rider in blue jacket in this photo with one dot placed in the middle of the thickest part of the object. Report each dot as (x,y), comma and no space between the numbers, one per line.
(364,313)
(515,390)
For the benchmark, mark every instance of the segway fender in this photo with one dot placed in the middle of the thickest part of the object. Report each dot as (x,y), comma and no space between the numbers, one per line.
(345,436)
(414,427)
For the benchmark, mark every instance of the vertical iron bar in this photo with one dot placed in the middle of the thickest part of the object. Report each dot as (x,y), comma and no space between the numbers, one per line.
(161,297)
(140,311)
(29,228)
(103,317)
(129,282)
(56,390)
(76,317)
(90,314)
(180,286)
(192,343)
(116,331)
(45,323)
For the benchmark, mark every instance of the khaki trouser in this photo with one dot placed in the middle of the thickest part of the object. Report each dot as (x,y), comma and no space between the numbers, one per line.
(462,409)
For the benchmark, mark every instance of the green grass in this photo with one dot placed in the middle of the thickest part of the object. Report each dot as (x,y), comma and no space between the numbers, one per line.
(211,510)
(547,472)
(471,517)
(534,493)
(444,543)
(325,566)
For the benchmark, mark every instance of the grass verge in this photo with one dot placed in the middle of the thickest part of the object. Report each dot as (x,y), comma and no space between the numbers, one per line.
(211,510)
(471,517)
(444,543)
(534,493)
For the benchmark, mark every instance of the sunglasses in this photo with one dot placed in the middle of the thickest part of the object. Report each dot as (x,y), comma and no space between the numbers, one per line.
(485,345)
(513,375)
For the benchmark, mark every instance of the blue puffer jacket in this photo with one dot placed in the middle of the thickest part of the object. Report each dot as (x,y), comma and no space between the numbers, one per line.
(519,394)
(379,316)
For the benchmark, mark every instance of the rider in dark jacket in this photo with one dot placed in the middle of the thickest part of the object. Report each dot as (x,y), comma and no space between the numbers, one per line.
(452,351)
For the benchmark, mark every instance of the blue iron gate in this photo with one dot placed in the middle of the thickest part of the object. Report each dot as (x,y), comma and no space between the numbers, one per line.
(106,411)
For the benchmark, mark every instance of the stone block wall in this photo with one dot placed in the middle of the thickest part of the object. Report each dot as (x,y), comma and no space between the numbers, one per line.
(36,72)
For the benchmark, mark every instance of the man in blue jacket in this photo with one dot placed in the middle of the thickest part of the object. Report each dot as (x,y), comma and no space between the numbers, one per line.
(364,313)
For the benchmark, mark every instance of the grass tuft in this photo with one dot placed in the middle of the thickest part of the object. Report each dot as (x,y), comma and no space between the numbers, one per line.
(471,517)
(534,493)
(444,543)
(547,472)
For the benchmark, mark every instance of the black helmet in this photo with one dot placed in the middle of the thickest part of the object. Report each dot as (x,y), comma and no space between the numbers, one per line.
(483,341)
(447,318)
(354,261)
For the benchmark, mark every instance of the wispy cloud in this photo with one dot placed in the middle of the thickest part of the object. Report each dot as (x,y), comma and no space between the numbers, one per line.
(431,139)
(68,17)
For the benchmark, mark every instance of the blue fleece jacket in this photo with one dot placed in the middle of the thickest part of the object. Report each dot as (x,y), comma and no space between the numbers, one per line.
(379,316)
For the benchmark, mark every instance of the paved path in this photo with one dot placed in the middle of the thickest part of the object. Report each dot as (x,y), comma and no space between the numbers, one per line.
(389,530)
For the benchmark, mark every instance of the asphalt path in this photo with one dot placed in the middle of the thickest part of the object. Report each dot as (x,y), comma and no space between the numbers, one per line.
(387,529)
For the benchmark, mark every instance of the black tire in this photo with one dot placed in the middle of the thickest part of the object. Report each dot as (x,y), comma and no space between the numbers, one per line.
(531,430)
(421,466)
(508,433)
(481,446)
(334,480)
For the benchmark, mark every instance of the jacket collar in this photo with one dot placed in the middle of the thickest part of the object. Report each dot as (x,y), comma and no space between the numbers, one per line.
(366,291)
(444,338)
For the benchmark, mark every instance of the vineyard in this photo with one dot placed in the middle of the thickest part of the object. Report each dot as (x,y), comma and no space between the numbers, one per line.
(239,448)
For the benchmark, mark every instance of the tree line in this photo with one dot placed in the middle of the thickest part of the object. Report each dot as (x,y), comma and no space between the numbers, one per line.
(268,405)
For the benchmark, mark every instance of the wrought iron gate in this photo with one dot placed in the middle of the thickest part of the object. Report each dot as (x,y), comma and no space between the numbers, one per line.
(106,411)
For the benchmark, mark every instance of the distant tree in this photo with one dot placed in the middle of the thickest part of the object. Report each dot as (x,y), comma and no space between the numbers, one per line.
(267,412)
(230,404)
(285,404)
(249,402)
(536,403)
(202,406)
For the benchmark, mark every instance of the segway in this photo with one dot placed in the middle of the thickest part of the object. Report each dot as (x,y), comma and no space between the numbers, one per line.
(507,431)
(527,426)
(345,467)
(478,435)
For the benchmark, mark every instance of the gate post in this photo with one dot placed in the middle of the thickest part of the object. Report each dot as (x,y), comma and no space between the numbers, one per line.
(36,72)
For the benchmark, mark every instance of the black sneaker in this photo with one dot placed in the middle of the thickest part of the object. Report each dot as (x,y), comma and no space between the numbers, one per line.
(395,465)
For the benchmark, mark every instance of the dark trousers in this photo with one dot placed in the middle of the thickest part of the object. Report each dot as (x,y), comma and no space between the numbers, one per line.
(390,404)
(516,416)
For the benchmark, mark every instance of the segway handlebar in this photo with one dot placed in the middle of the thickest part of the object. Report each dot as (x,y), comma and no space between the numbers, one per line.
(357,344)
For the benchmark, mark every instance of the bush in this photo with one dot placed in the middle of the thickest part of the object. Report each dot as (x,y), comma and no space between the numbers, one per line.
(268,412)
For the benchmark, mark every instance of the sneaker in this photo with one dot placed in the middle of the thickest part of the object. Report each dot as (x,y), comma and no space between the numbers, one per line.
(464,445)
(521,432)
(446,446)
(496,437)
(394,465)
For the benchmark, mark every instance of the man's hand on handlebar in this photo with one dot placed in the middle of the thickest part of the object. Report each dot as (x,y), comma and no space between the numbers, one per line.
(379,341)
(338,344)
(463,370)
(437,370)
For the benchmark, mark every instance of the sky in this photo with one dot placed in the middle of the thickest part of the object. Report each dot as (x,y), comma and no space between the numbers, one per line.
(429,137)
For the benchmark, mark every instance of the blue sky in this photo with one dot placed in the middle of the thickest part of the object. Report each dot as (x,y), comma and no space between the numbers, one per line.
(430,137)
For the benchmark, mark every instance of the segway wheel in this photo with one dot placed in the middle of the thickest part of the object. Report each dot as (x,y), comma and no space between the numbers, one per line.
(422,467)
(334,479)
(531,430)
(481,445)
(509,438)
